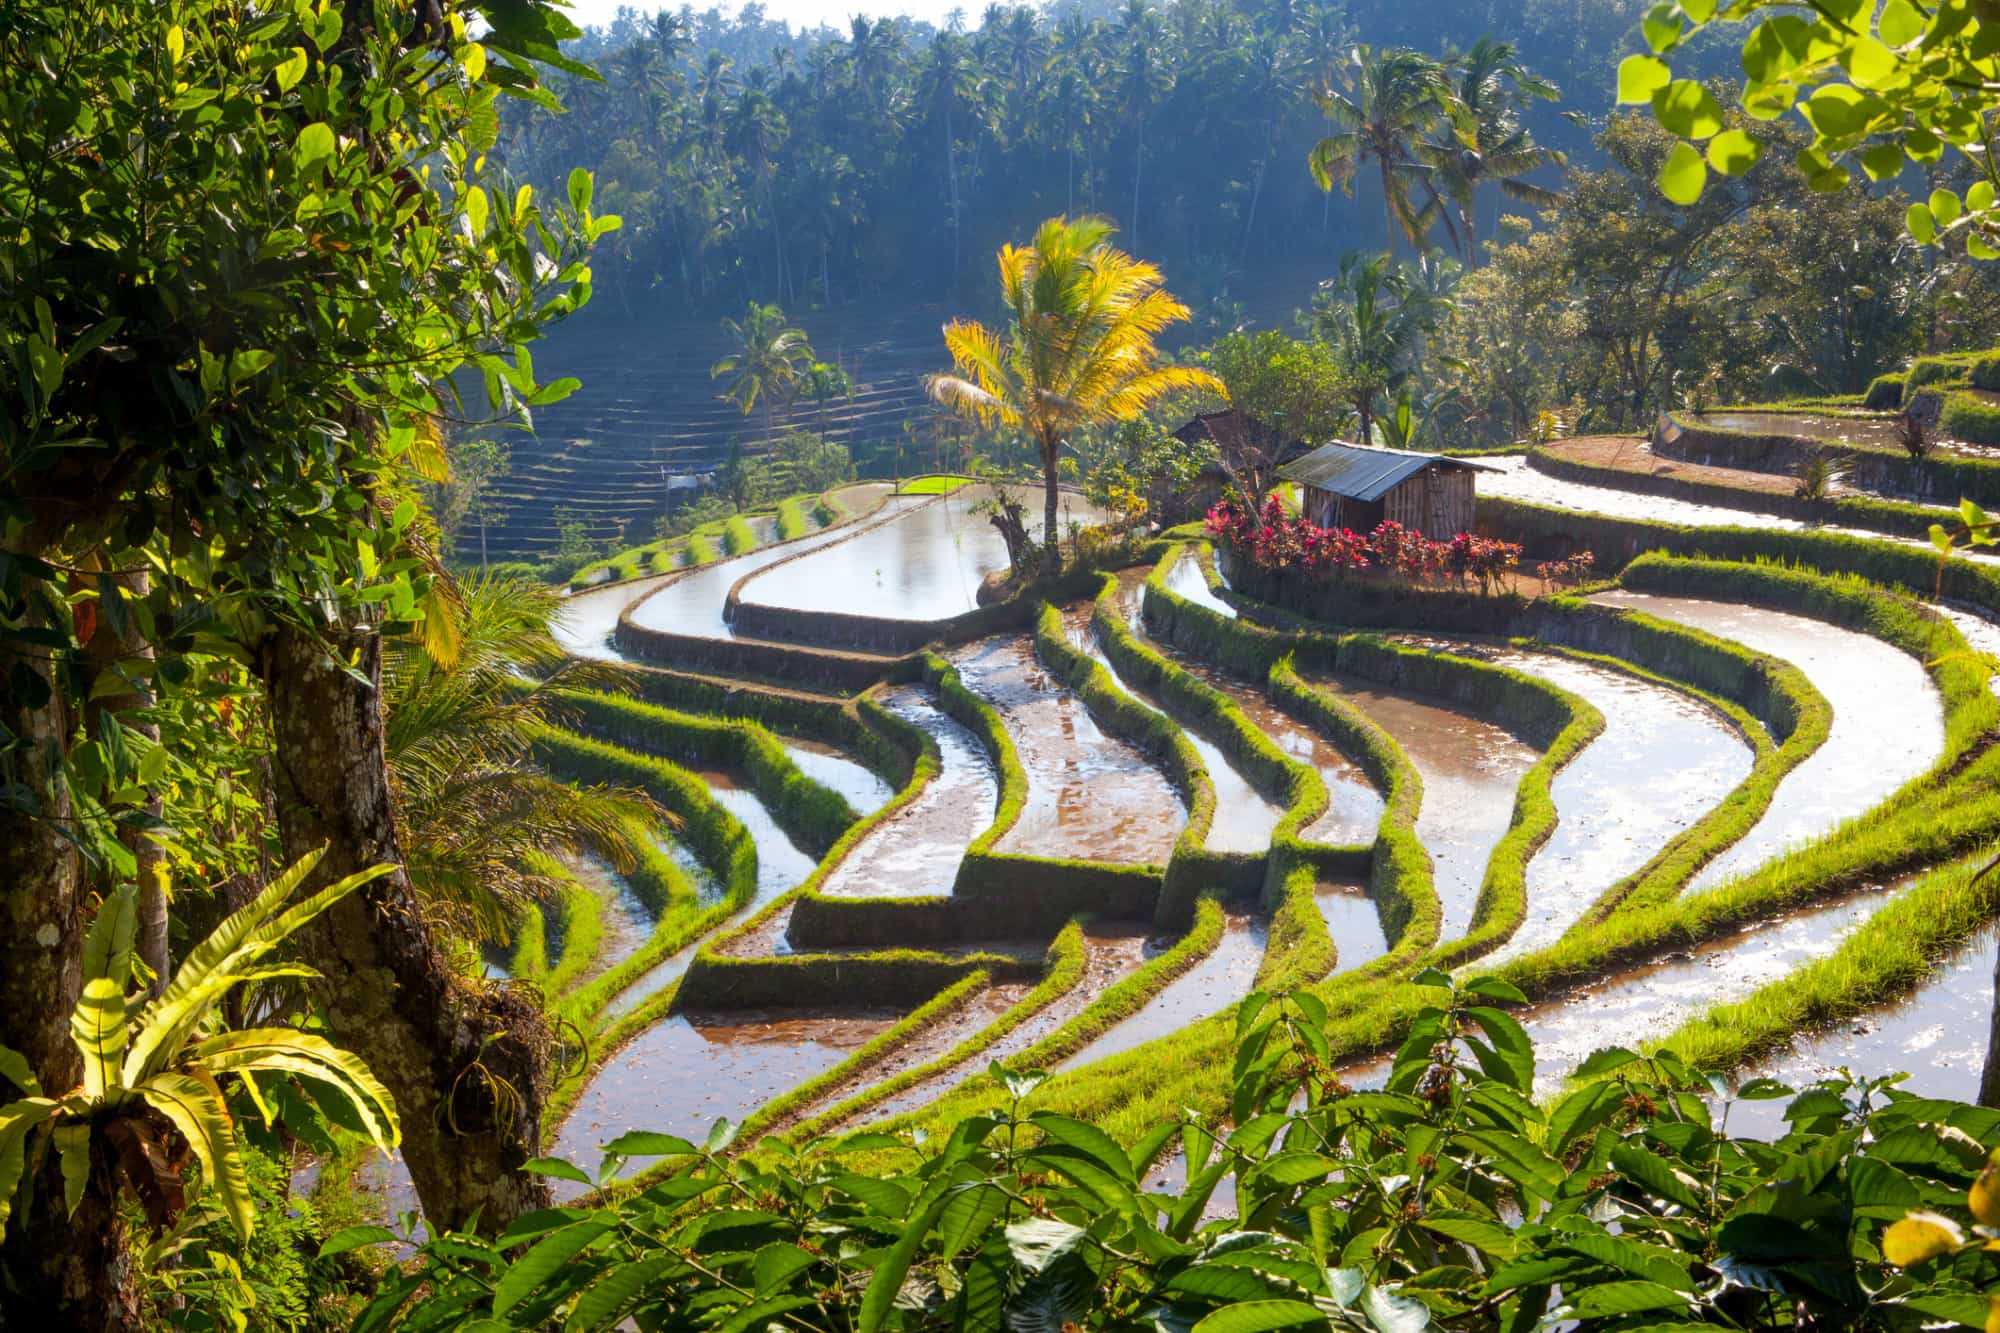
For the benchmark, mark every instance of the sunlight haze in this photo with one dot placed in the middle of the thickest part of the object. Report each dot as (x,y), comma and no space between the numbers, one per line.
(800,14)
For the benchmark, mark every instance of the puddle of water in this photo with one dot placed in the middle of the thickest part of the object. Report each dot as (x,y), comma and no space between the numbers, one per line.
(916,851)
(831,769)
(1937,1035)
(1089,795)
(925,566)
(1660,763)
(1888,721)
(682,1074)
(1113,950)
(1470,769)
(1215,983)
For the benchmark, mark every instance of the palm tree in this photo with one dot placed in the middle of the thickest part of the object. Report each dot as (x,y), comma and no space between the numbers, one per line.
(949,79)
(1485,140)
(825,381)
(1144,83)
(767,362)
(1078,350)
(457,736)
(1379,316)
(1392,99)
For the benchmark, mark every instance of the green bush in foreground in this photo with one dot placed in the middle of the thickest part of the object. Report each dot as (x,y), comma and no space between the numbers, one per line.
(1447,1199)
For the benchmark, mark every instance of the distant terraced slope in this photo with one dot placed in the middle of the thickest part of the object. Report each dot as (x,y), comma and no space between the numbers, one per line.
(647,401)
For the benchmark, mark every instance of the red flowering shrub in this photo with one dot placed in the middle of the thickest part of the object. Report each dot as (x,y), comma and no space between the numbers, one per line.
(1567,573)
(1275,540)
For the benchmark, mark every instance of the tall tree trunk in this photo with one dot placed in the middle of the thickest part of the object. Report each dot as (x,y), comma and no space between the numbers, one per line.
(1388,207)
(1051,540)
(466,1065)
(56,1270)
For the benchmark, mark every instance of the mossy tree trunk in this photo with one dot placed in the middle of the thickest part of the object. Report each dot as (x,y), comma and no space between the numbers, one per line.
(466,1065)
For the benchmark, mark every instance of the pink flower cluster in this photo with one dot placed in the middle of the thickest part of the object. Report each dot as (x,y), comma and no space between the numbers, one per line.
(1275,540)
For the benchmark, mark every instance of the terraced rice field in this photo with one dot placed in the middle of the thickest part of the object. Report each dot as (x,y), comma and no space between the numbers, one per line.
(1076,838)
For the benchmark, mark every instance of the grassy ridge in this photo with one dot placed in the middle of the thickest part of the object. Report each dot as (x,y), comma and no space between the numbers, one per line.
(813,815)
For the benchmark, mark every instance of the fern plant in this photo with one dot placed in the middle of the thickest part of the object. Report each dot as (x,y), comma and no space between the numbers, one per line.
(153,1069)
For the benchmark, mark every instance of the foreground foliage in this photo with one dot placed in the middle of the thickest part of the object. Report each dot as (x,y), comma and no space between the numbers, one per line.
(1447,1197)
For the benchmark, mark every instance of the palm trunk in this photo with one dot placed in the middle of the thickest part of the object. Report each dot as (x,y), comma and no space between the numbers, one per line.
(951,176)
(1051,541)
(464,1064)
(1388,208)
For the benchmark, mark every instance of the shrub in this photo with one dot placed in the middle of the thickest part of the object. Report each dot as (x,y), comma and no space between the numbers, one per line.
(1974,420)
(1885,393)
(1276,540)
(1449,1199)
(1818,474)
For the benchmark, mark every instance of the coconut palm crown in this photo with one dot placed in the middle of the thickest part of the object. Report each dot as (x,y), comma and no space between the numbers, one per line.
(1079,348)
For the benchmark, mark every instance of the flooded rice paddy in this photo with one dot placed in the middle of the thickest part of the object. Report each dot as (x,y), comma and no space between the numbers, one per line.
(1090,796)
(1875,432)
(1888,720)
(1470,770)
(863,789)
(1662,761)
(1213,985)
(926,565)
(916,851)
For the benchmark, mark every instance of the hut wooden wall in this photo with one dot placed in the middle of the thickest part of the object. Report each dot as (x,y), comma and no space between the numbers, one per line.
(1436,502)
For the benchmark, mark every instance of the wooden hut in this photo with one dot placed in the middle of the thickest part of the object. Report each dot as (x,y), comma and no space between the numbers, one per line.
(1347,486)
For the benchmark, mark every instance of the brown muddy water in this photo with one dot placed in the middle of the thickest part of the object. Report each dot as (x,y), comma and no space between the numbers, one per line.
(915,852)
(682,1074)
(860,785)
(1113,950)
(927,565)
(1244,819)
(1470,770)
(1888,720)
(1936,1034)
(1212,985)
(1354,806)
(1662,761)
(1090,796)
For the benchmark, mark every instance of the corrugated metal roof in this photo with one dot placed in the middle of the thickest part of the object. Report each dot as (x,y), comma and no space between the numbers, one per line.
(1365,473)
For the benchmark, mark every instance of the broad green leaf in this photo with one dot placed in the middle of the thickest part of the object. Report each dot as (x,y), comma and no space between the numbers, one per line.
(1979,196)
(579,189)
(968,1212)
(1900,23)
(1259,1316)
(544,1260)
(353,1238)
(290,70)
(1922,226)
(1945,207)
(1687,109)
(1775,48)
(1657,1176)
(1087,1139)
(1683,175)
(202,1116)
(475,210)
(880,1296)
(1605,1300)
(73,1147)
(1639,77)
(645,1143)
(1734,152)
(1390,1313)
(557,1169)
(1599,1063)
(603,1303)
(14,1068)
(778,1263)
(97,1026)
(1493,988)
(1661,27)
(315,144)
(1869,63)
(1037,1242)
